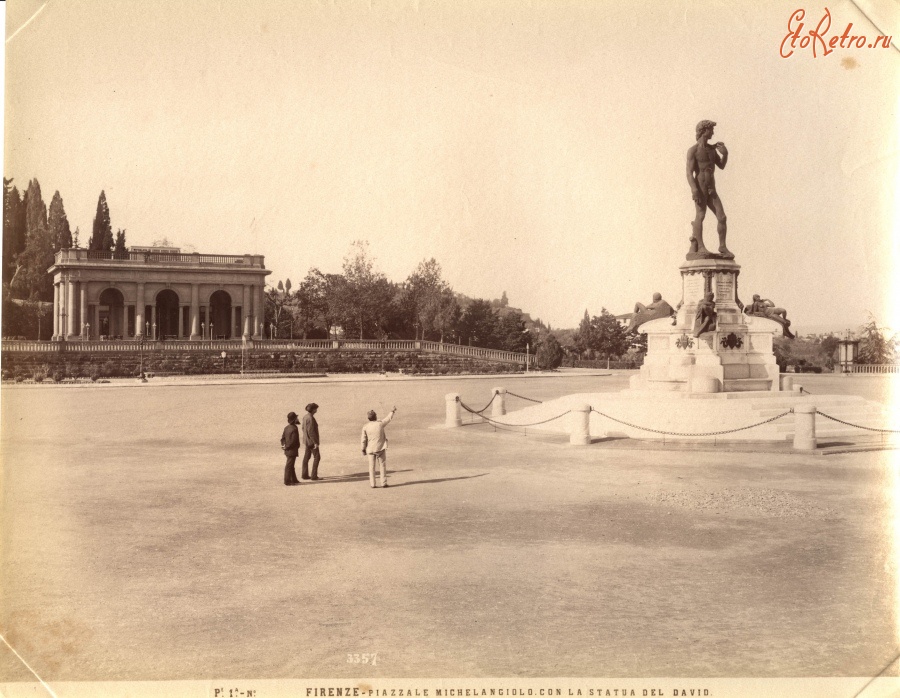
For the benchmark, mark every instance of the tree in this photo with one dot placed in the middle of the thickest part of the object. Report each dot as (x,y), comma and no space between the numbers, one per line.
(310,304)
(876,346)
(362,293)
(102,238)
(334,308)
(430,299)
(60,233)
(584,335)
(120,251)
(549,353)
(13,228)
(510,332)
(30,280)
(278,300)
(478,324)
(609,338)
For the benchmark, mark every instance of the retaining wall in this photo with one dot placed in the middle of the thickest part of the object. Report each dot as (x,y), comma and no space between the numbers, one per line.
(75,364)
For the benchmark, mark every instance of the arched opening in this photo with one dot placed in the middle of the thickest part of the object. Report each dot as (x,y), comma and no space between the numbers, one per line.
(167,314)
(220,314)
(110,313)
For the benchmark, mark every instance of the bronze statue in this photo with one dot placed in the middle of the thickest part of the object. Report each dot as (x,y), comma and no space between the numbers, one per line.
(705,318)
(763,307)
(644,313)
(702,160)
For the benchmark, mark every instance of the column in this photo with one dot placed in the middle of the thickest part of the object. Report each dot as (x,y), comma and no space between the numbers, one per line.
(230,332)
(70,308)
(62,308)
(55,311)
(95,320)
(195,311)
(259,315)
(247,312)
(82,315)
(124,321)
(139,312)
(453,416)
(805,428)
(180,321)
(580,429)
(498,406)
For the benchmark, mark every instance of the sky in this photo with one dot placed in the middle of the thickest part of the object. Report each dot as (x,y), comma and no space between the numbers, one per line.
(536,148)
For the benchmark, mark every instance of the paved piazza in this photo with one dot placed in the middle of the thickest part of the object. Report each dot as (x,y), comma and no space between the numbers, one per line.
(148,536)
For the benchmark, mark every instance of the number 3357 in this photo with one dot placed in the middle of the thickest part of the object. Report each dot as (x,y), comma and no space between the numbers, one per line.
(363,658)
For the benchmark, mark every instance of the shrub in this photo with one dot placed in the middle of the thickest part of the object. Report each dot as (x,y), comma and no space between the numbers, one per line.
(95,373)
(58,376)
(39,374)
(549,353)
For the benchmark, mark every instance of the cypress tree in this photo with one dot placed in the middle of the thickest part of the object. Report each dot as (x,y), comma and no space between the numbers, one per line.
(101,237)
(121,252)
(60,232)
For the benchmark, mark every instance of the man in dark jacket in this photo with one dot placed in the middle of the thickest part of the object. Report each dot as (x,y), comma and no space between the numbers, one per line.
(290,443)
(309,435)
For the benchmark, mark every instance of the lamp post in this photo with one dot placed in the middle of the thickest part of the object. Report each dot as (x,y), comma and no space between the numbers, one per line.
(203,330)
(154,331)
(211,331)
(224,354)
(87,327)
(141,345)
(147,334)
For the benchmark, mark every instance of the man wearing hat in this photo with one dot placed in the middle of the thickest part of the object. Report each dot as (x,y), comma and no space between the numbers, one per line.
(309,433)
(290,443)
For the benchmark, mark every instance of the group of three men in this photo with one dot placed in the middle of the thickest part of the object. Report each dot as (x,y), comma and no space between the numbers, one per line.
(373,440)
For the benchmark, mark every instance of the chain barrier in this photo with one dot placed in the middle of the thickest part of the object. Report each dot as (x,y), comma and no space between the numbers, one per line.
(478,412)
(522,397)
(858,426)
(507,424)
(705,433)
(804,390)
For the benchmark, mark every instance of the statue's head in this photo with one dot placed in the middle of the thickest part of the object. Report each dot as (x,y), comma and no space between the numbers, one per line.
(709,296)
(755,296)
(703,126)
(657,296)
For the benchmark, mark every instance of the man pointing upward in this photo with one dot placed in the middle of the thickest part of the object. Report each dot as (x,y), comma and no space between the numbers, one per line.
(374,445)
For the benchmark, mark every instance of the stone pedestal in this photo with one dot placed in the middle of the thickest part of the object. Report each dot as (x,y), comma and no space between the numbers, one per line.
(736,356)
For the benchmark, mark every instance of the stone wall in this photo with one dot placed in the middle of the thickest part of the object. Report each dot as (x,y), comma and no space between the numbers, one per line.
(72,364)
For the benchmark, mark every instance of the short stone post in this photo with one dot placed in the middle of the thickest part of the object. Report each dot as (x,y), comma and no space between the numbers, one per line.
(498,407)
(805,427)
(580,434)
(454,416)
(787,383)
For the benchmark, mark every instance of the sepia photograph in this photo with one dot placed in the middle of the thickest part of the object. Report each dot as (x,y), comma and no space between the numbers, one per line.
(604,293)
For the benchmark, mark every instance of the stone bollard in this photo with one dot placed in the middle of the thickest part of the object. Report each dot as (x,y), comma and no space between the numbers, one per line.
(454,417)
(805,427)
(787,383)
(580,434)
(498,407)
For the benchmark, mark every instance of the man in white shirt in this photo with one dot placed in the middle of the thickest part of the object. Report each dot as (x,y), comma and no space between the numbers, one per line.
(374,445)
